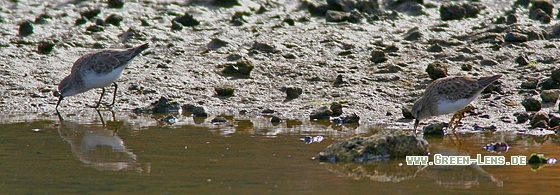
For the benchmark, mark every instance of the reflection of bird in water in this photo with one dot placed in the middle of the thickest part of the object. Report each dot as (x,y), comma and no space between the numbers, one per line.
(456,176)
(100,148)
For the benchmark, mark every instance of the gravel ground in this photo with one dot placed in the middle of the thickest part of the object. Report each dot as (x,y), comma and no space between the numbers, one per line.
(379,54)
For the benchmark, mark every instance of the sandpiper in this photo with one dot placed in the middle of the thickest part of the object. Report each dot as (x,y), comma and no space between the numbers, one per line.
(450,94)
(97,70)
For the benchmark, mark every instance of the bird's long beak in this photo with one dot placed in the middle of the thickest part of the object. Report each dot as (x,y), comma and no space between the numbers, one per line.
(416,121)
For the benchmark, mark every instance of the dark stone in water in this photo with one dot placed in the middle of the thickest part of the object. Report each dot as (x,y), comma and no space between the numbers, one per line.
(381,146)
(321,113)
(219,119)
(197,111)
(336,109)
(275,119)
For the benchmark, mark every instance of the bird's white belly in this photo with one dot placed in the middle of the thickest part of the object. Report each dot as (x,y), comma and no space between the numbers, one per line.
(446,106)
(94,80)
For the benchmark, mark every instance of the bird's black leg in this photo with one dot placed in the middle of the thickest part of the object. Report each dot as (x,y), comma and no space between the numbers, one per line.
(114,94)
(100,98)
(57,103)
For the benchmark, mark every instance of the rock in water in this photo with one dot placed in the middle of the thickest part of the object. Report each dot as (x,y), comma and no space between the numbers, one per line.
(383,145)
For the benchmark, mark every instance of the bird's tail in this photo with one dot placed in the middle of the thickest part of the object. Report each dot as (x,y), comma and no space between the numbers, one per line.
(139,49)
(485,81)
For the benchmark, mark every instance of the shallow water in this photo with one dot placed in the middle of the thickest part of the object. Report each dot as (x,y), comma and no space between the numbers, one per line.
(136,154)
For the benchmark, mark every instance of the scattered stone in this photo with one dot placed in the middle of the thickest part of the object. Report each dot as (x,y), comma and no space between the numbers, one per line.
(436,70)
(216,43)
(434,129)
(381,146)
(45,47)
(548,83)
(511,19)
(199,111)
(522,117)
(176,26)
(413,34)
(391,68)
(407,114)
(378,56)
(540,124)
(531,104)
(94,28)
(114,20)
(554,119)
(267,111)
(262,9)
(42,19)
(472,10)
(115,3)
(289,56)
(352,118)
(224,91)
(522,60)
(467,67)
(225,3)
(275,119)
(185,20)
(537,118)
(145,22)
(237,19)
(336,16)
(316,10)
(241,68)
(90,14)
(336,109)
(451,11)
(516,37)
(25,28)
(219,119)
(549,96)
(488,62)
(100,22)
(289,21)
(540,15)
(80,21)
(339,81)
(555,75)
(435,48)
(391,49)
(234,57)
(163,105)
(543,5)
(524,3)
(263,47)
(355,16)
(293,92)
(530,83)
(321,113)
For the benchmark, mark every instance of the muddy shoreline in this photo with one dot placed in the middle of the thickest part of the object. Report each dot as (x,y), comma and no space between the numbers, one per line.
(289,47)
